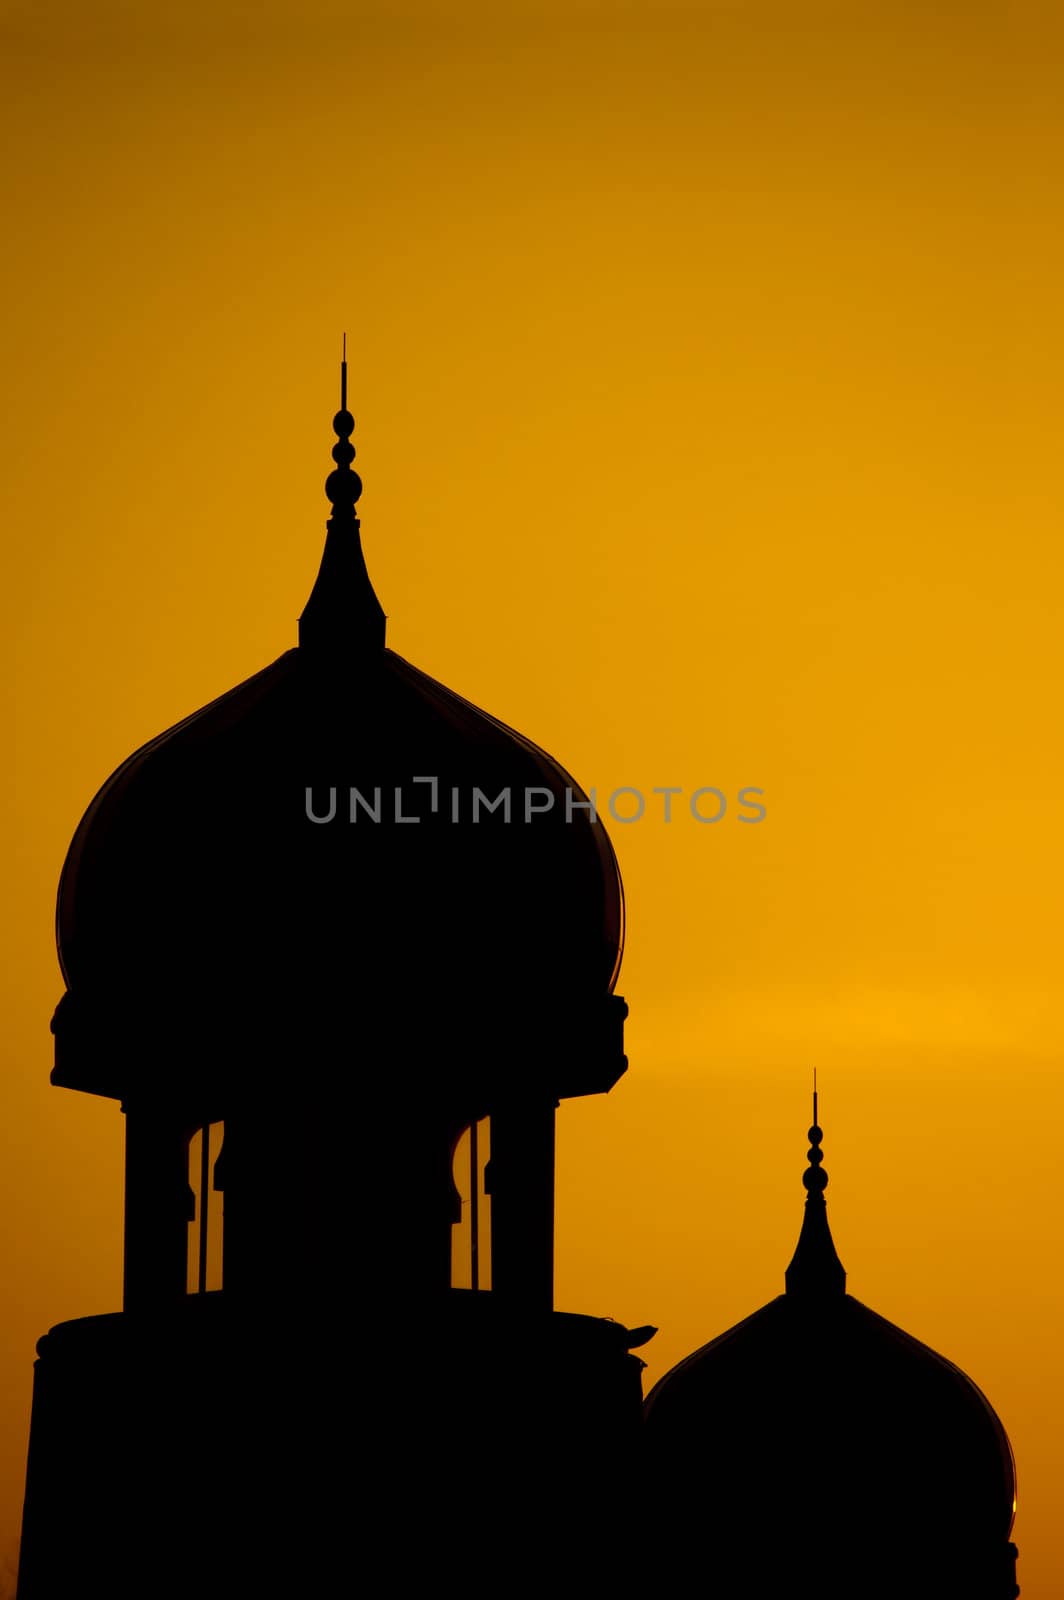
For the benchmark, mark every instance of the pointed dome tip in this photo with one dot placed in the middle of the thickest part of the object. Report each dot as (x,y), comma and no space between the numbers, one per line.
(815,1266)
(343,611)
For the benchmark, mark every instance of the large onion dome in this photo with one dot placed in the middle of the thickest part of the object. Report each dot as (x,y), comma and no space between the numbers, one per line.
(816,1449)
(336,847)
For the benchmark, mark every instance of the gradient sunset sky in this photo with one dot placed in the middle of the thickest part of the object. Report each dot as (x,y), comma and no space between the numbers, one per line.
(706,363)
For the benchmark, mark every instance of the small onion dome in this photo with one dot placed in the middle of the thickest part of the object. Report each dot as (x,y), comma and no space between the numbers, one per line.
(337,852)
(817,1449)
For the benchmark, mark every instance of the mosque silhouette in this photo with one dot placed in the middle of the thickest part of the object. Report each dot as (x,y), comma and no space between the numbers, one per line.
(339,943)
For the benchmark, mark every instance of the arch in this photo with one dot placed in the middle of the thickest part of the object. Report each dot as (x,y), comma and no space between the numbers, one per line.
(207,1222)
(471,1230)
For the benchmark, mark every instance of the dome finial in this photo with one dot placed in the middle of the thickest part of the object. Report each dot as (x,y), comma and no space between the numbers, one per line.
(815,1267)
(343,613)
(343,486)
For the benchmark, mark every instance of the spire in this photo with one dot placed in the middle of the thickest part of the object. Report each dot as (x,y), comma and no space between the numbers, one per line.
(815,1268)
(343,614)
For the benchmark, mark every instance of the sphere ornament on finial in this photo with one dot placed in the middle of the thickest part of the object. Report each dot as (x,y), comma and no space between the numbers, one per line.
(814,1178)
(343,486)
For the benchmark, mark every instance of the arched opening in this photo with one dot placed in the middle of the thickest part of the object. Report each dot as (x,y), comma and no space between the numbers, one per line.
(471,1234)
(206,1226)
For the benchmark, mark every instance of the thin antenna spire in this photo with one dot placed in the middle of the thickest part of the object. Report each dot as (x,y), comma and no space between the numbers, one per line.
(343,375)
(816,1119)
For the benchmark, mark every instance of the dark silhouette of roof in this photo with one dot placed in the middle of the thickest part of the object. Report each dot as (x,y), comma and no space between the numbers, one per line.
(197,877)
(286,915)
(817,1444)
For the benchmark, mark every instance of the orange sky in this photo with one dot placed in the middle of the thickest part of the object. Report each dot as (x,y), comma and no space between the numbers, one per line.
(706,366)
